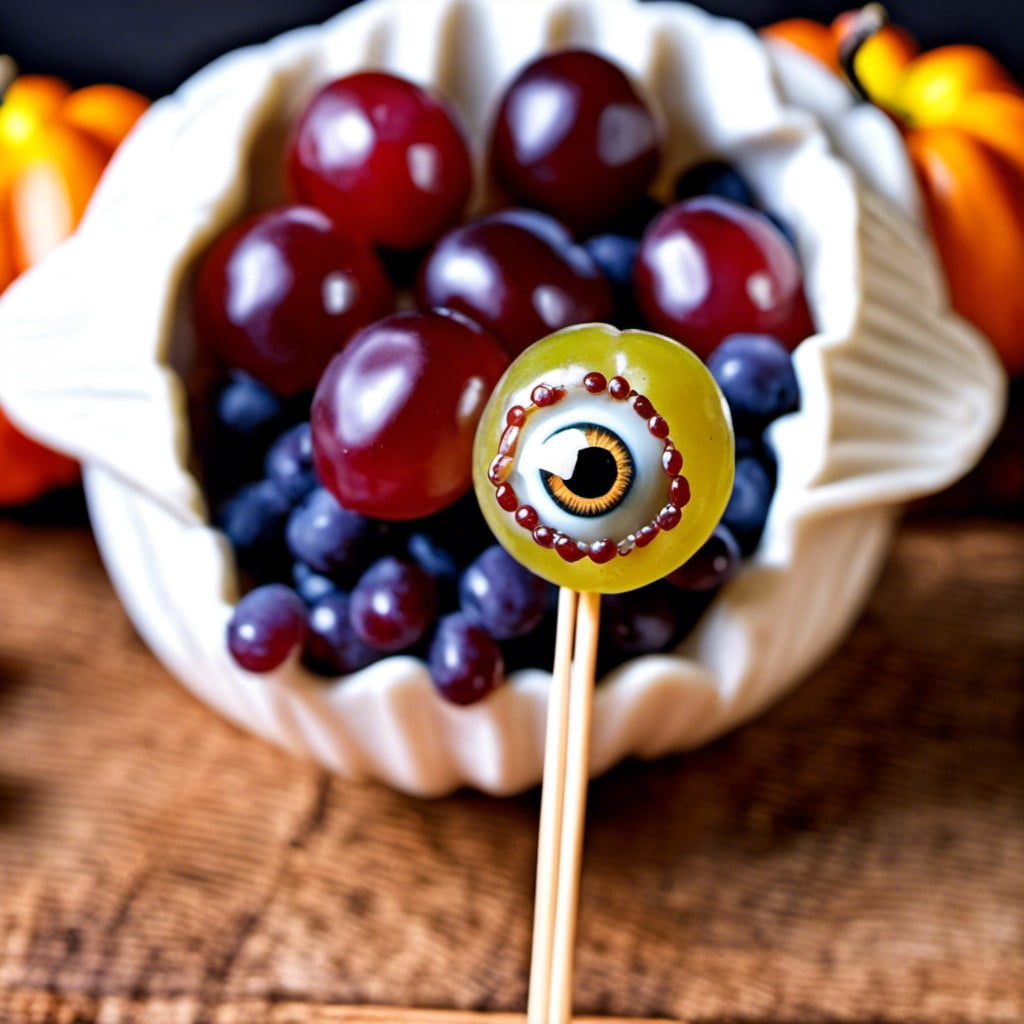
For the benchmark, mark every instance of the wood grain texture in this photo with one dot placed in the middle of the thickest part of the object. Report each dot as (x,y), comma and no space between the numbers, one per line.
(856,854)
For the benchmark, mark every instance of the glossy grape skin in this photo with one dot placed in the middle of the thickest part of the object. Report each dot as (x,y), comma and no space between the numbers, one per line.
(332,646)
(311,585)
(709,267)
(756,375)
(500,595)
(330,539)
(392,605)
(464,661)
(280,293)
(518,274)
(267,624)
(395,414)
(382,156)
(679,386)
(573,137)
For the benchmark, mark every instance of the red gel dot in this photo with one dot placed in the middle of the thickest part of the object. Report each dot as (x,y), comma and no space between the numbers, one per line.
(618,387)
(646,534)
(679,492)
(509,438)
(658,427)
(595,383)
(602,551)
(543,395)
(516,416)
(672,461)
(643,407)
(506,498)
(499,469)
(526,517)
(568,549)
(544,536)
(668,518)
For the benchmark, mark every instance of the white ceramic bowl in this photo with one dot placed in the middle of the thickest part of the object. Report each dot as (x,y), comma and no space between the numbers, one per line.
(899,395)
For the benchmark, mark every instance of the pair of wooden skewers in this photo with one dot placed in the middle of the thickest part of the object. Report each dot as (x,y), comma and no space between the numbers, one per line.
(563,807)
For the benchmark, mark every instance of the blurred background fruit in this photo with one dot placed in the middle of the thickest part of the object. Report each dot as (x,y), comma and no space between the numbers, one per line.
(54,144)
(962,115)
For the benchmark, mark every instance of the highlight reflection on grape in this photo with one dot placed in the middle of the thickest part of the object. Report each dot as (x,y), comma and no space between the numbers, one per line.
(604,459)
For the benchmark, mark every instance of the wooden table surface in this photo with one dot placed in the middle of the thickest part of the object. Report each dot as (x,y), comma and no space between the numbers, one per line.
(857,854)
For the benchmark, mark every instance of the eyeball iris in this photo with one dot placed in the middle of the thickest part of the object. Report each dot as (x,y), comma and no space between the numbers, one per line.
(602,470)
(604,459)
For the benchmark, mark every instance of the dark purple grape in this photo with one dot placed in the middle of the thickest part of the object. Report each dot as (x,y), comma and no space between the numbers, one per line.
(245,418)
(330,539)
(289,462)
(756,375)
(713,564)
(253,520)
(501,596)
(247,410)
(639,622)
(332,646)
(714,178)
(747,511)
(267,624)
(438,562)
(465,662)
(393,604)
(311,585)
(615,255)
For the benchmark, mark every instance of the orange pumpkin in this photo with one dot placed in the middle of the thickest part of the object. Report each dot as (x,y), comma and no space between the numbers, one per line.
(962,116)
(54,144)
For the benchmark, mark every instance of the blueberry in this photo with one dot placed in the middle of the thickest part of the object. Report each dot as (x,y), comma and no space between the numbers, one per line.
(311,585)
(246,409)
(465,662)
(747,511)
(639,622)
(332,646)
(615,255)
(289,462)
(266,625)
(330,539)
(437,561)
(253,520)
(501,596)
(714,178)
(756,375)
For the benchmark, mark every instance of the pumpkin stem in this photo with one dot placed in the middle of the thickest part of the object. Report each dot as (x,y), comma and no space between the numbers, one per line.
(8,73)
(870,20)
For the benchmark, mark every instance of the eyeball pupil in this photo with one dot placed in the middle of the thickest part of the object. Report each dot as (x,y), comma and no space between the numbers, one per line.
(595,474)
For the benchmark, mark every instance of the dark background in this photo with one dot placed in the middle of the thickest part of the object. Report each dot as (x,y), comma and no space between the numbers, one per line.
(152,45)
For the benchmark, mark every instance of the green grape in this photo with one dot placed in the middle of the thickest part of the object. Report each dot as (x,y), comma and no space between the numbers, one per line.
(604,459)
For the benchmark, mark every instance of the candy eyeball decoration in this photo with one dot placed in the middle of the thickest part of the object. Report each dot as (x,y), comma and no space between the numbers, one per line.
(604,459)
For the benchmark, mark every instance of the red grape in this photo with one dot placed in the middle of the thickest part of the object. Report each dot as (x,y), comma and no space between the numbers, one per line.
(709,267)
(574,138)
(383,157)
(518,274)
(395,414)
(280,293)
